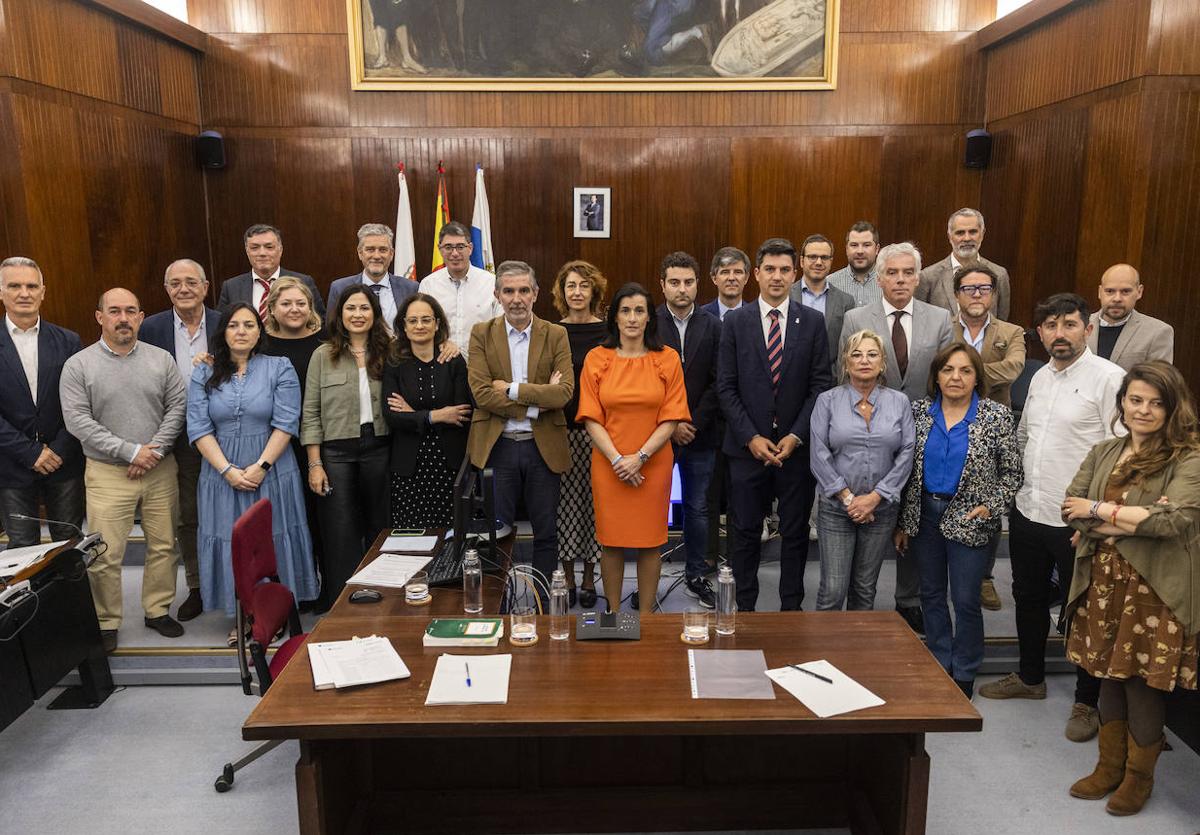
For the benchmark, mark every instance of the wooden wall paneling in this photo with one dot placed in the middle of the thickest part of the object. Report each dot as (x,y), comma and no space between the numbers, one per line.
(916,15)
(241,194)
(11,187)
(268,16)
(6,47)
(1174,38)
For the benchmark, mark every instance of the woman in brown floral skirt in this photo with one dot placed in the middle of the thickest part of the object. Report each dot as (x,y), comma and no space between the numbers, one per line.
(1135,595)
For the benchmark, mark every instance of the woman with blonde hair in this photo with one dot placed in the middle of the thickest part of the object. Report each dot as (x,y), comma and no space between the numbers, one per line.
(578,292)
(1135,593)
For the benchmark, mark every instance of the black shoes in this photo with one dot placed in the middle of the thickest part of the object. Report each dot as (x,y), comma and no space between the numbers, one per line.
(912,616)
(191,607)
(165,625)
(700,589)
(108,637)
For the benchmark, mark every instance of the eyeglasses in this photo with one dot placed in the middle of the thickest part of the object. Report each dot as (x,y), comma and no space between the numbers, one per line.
(191,284)
(976,289)
(871,355)
(422,320)
(818,257)
(454,247)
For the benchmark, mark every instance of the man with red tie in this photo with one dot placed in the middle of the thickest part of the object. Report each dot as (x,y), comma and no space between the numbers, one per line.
(264,250)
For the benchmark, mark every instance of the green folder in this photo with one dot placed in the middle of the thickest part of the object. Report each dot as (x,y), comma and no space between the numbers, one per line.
(464,632)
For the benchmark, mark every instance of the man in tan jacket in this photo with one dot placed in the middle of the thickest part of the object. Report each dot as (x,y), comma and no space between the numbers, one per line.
(519,368)
(964,231)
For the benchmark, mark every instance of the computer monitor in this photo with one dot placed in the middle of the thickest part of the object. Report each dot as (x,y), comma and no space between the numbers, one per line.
(474,511)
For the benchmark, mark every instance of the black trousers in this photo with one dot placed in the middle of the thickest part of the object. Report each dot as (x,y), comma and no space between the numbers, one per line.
(1035,550)
(357,509)
(520,472)
(63,500)
(718,499)
(754,487)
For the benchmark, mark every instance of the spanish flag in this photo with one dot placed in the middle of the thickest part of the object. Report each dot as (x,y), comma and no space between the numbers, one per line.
(441,216)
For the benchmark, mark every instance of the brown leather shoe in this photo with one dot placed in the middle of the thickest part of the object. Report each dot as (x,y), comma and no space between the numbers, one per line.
(1083,724)
(191,607)
(988,598)
(1110,770)
(1134,791)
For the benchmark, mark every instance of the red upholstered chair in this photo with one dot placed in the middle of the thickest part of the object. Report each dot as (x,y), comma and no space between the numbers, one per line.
(264,607)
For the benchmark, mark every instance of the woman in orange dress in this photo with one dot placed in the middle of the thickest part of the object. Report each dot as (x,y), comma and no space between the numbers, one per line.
(631,396)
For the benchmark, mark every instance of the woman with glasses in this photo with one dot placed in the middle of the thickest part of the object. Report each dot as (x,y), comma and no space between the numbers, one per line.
(862,451)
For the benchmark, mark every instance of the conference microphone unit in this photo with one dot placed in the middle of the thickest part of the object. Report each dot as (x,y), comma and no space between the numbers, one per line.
(86,540)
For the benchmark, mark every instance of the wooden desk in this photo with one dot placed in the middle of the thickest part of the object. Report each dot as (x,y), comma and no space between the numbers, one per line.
(601,736)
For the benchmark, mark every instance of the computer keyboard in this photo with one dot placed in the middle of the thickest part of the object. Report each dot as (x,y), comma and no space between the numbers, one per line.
(445,568)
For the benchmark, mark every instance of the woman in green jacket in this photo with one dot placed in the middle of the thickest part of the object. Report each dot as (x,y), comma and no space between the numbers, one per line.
(1135,594)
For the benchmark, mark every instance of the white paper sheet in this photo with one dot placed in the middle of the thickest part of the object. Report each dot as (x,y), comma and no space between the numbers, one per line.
(355,662)
(488,674)
(15,560)
(842,696)
(389,571)
(411,544)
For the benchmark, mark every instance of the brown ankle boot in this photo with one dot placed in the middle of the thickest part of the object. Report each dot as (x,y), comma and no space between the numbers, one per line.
(1134,791)
(1110,770)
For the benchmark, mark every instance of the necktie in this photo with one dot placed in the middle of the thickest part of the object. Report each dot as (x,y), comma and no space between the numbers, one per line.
(376,289)
(262,304)
(774,350)
(900,343)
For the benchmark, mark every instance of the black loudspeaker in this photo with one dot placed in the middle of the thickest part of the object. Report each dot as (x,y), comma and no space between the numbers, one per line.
(210,149)
(979,149)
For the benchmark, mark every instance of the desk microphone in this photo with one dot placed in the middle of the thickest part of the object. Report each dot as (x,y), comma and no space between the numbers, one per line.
(86,540)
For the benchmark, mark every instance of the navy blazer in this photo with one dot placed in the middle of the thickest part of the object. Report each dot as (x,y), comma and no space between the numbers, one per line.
(744,377)
(699,357)
(25,427)
(714,307)
(240,288)
(408,428)
(402,288)
(159,329)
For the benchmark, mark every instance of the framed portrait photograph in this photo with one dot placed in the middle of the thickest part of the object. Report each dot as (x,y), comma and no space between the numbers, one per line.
(594,45)
(592,212)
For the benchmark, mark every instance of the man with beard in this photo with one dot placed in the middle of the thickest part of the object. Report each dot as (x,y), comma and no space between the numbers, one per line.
(965,232)
(858,276)
(1120,333)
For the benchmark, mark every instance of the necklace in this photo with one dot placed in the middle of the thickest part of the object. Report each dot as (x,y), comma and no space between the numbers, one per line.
(358,352)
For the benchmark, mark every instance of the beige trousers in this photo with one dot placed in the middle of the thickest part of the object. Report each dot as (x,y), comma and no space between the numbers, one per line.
(112,500)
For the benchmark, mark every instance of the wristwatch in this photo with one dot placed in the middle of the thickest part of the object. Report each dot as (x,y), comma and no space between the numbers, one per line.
(266,465)
(643,456)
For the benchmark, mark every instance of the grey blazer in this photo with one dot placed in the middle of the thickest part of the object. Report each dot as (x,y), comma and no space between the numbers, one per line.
(930,333)
(837,302)
(1143,338)
(937,287)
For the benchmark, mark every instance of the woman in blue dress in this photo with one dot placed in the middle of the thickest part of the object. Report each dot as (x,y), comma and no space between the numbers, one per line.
(242,412)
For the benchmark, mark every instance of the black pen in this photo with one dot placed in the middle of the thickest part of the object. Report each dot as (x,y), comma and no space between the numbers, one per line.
(468,668)
(811,673)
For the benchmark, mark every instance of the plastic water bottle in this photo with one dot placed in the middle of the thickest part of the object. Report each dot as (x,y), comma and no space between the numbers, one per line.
(560,628)
(472,583)
(726,602)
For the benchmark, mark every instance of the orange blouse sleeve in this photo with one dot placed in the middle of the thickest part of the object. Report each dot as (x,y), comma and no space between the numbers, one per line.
(594,366)
(674,405)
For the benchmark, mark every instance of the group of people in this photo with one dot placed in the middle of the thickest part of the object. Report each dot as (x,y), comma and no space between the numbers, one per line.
(193,414)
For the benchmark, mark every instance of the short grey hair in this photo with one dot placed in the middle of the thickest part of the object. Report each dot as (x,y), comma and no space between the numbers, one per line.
(895,251)
(975,213)
(508,268)
(187,262)
(727,255)
(20,261)
(368,229)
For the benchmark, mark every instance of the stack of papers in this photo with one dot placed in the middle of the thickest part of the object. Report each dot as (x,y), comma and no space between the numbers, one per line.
(841,694)
(354,662)
(470,680)
(15,560)
(729,674)
(464,632)
(411,544)
(389,571)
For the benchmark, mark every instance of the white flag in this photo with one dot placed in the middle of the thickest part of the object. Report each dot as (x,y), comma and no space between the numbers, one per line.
(482,255)
(405,259)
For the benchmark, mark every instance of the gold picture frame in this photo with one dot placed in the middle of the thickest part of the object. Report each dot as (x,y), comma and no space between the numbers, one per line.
(642,45)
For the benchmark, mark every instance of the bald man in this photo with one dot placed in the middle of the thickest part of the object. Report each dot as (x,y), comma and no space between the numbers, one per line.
(1119,333)
(125,401)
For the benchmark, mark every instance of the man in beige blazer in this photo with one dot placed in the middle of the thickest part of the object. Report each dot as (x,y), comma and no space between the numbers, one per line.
(1119,333)
(965,233)
(519,368)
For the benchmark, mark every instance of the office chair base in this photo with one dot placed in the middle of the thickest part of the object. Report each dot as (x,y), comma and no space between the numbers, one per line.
(225,782)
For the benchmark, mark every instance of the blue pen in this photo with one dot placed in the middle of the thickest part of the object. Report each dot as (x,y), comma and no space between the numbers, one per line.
(468,666)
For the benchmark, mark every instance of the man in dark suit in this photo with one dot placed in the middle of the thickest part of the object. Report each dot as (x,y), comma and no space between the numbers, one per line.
(375,251)
(264,249)
(730,271)
(696,337)
(185,331)
(814,290)
(774,361)
(40,462)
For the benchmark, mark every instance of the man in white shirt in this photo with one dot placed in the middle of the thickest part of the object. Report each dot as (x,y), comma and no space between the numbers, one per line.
(858,277)
(375,251)
(1068,410)
(730,271)
(466,293)
(965,231)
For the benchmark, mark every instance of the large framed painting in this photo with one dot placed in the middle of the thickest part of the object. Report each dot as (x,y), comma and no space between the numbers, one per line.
(593,44)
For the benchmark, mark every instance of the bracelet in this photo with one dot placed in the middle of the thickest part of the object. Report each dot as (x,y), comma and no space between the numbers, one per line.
(616,458)
(312,465)
(228,467)
(1116,510)
(1095,507)
(846,501)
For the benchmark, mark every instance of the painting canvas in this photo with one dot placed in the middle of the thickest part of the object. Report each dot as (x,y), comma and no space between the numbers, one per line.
(592,44)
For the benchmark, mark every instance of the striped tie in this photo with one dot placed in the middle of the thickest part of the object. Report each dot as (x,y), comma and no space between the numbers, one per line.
(774,350)
(262,305)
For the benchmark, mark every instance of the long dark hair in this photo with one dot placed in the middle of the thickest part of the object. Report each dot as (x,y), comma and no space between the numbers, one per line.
(650,337)
(1179,434)
(223,367)
(378,341)
(402,347)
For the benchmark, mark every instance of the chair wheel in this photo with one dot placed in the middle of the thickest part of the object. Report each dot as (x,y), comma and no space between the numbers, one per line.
(225,782)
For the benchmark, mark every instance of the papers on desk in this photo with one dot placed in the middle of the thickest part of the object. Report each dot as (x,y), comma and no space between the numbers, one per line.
(487,676)
(389,571)
(411,544)
(357,661)
(729,674)
(823,698)
(15,560)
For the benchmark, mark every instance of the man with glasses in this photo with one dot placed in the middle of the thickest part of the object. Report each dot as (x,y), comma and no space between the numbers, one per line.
(814,290)
(185,331)
(465,292)
(1001,345)
(964,230)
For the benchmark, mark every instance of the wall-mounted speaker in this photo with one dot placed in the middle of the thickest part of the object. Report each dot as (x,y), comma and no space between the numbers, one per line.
(210,150)
(979,149)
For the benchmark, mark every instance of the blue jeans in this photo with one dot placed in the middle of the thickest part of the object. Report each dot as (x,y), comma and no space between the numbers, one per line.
(958,647)
(519,471)
(852,555)
(695,472)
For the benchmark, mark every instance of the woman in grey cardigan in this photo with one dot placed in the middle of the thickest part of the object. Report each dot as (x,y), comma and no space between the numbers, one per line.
(966,472)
